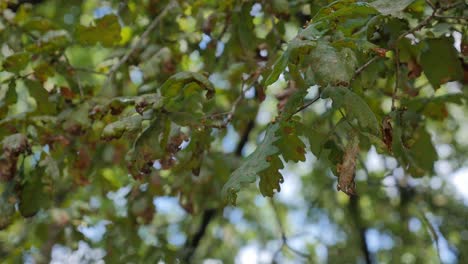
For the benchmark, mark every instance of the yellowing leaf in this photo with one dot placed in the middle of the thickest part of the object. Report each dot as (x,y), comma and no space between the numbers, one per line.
(106,31)
(118,128)
(16,62)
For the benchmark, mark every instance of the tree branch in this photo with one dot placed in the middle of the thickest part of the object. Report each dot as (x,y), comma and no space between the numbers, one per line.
(192,245)
(354,208)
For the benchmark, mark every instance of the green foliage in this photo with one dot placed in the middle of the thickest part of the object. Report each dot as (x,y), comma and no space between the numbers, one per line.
(150,120)
(105,31)
(355,107)
(16,62)
(257,162)
(440,62)
(331,66)
(393,8)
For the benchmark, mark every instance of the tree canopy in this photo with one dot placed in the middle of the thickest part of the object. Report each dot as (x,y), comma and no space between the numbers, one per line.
(203,131)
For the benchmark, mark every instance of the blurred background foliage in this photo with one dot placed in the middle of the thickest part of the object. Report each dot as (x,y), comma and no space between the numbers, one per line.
(130,131)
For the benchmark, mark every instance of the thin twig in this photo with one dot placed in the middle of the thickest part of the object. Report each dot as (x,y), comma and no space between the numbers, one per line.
(363,67)
(230,114)
(306,105)
(284,239)
(429,2)
(433,232)
(88,71)
(143,37)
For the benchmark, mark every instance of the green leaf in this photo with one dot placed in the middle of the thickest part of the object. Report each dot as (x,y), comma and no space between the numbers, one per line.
(147,147)
(118,128)
(332,66)
(255,163)
(39,24)
(8,209)
(392,8)
(41,96)
(317,140)
(296,50)
(343,9)
(440,62)
(51,42)
(295,101)
(418,159)
(278,67)
(34,195)
(280,6)
(187,92)
(16,62)
(355,107)
(311,32)
(50,167)
(176,83)
(422,154)
(271,178)
(290,145)
(106,31)
(10,98)
(76,121)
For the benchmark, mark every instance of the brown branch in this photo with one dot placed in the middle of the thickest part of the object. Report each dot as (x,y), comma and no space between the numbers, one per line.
(355,213)
(191,245)
(245,137)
